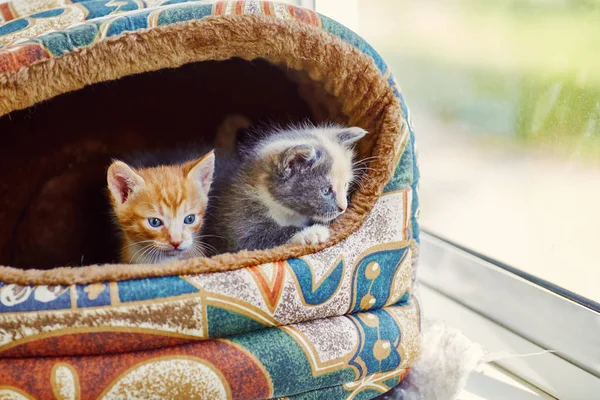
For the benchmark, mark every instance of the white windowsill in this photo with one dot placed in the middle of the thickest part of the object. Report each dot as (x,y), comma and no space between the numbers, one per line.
(488,382)
(555,376)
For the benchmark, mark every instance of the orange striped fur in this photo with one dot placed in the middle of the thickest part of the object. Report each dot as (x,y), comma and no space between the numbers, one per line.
(168,194)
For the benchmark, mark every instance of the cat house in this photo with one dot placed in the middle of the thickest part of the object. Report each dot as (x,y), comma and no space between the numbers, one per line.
(82,83)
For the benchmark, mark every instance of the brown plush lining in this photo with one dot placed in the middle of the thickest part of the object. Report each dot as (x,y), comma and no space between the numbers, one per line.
(342,71)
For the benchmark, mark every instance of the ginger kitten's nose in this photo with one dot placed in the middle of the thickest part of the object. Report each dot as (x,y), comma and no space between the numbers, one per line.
(175,244)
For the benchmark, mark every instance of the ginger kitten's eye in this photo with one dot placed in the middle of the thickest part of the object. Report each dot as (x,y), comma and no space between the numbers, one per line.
(155,222)
(326,191)
(189,219)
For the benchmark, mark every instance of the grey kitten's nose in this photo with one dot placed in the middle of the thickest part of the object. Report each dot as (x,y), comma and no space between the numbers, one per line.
(341,201)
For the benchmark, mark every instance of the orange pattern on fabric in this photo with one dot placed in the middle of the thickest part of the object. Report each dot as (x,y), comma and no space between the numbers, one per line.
(271,287)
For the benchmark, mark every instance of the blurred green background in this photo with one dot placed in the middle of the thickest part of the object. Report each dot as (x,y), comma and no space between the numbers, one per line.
(516,71)
(505,100)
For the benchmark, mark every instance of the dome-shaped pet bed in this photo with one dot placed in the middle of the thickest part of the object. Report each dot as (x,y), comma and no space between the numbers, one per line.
(87,81)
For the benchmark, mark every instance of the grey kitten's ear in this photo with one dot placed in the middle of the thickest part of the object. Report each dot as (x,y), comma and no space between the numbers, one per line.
(349,136)
(122,181)
(298,159)
(203,169)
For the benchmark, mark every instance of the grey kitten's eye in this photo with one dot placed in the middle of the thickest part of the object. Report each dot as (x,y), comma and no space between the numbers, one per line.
(189,219)
(155,222)
(326,191)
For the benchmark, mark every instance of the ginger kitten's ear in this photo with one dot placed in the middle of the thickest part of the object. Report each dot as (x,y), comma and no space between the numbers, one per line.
(202,170)
(122,181)
(349,136)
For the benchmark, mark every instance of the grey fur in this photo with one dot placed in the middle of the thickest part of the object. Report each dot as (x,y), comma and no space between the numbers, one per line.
(294,176)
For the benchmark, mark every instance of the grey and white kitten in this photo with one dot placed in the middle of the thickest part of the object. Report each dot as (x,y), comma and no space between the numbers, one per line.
(285,186)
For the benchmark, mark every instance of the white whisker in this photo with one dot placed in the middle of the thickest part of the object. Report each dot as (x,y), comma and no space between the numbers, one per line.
(135,254)
(140,242)
(144,254)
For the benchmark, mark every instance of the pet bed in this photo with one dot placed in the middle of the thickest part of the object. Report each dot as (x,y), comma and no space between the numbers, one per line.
(82,82)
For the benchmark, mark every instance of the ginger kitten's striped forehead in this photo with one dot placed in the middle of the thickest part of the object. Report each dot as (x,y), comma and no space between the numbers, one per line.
(168,188)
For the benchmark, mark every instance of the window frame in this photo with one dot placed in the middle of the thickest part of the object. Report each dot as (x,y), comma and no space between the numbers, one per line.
(506,312)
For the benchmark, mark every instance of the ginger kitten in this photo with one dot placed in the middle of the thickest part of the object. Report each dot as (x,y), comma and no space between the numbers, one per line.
(160,209)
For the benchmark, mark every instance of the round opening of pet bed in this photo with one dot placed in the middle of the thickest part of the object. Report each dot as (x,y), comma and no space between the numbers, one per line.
(64,119)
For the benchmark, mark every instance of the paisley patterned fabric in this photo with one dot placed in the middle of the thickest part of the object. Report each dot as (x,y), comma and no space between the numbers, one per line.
(338,324)
(364,352)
